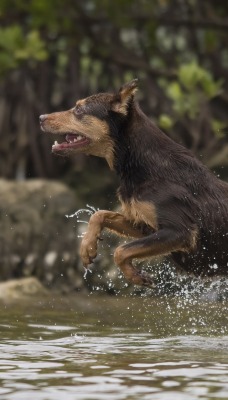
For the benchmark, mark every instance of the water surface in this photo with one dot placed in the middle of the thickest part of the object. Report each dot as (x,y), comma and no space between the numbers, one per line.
(99,347)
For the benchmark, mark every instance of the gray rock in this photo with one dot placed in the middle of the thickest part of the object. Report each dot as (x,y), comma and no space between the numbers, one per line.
(21,289)
(36,238)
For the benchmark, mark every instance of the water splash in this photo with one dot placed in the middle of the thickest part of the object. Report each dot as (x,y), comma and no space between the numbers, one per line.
(169,283)
(86,272)
(89,211)
(189,288)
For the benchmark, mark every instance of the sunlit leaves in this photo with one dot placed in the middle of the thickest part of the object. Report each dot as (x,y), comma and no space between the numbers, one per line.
(33,48)
(189,94)
(192,76)
(15,48)
(174,91)
(165,121)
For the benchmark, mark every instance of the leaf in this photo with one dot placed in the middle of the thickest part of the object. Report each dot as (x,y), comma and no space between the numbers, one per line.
(210,87)
(218,127)
(190,74)
(165,121)
(34,48)
(192,77)
(16,48)
(174,91)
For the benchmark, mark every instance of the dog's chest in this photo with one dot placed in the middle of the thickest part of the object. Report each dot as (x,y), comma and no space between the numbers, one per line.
(140,212)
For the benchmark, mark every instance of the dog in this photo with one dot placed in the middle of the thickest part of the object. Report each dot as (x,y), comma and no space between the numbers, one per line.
(172,205)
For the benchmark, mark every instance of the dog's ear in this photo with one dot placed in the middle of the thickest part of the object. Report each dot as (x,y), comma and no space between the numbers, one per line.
(125,96)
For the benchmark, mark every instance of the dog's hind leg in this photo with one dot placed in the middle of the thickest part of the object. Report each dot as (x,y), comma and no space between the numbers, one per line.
(161,242)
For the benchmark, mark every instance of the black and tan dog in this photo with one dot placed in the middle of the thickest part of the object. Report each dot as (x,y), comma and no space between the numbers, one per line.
(171,203)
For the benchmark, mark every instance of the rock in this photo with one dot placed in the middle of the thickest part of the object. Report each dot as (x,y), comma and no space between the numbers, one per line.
(20,289)
(36,238)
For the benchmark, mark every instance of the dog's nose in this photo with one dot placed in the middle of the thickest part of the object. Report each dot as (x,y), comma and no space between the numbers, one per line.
(42,118)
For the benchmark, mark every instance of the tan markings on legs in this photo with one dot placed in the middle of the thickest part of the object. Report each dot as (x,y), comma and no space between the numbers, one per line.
(98,221)
(161,242)
(140,211)
(130,272)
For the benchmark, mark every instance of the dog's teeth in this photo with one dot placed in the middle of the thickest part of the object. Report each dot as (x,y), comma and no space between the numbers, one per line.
(79,137)
(56,143)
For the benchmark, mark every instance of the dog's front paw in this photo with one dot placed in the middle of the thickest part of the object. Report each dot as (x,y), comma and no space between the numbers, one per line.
(88,250)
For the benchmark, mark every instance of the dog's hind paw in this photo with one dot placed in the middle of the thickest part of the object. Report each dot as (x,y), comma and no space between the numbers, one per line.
(141,279)
(147,280)
(144,279)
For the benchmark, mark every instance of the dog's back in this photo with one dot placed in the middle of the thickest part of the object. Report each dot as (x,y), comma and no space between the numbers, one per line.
(185,193)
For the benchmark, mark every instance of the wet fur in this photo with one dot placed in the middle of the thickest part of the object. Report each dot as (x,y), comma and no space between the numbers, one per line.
(171,203)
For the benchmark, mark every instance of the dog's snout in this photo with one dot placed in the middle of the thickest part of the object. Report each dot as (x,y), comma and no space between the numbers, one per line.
(42,117)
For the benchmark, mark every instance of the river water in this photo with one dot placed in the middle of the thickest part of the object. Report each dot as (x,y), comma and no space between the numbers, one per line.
(90,347)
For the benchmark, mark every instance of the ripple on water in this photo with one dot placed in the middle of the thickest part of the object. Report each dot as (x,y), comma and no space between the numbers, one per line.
(122,349)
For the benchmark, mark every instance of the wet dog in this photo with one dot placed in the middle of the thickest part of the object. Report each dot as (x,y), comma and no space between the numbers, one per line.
(172,204)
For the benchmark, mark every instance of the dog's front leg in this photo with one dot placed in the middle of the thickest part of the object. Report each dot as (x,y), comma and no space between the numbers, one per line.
(161,242)
(104,219)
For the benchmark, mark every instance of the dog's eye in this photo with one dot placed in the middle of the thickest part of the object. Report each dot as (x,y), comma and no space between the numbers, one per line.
(78,110)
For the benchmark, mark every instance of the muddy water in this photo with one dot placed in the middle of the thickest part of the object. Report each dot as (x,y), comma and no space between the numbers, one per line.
(98,347)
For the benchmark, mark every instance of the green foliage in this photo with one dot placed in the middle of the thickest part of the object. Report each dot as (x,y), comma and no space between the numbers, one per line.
(218,127)
(15,48)
(192,76)
(33,48)
(86,46)
(192,90)
(165,122)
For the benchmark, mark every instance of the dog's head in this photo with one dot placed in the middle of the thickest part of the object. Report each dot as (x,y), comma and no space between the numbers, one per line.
(87,127)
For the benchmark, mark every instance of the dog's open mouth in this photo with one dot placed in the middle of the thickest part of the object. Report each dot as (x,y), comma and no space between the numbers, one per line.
(72,141)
